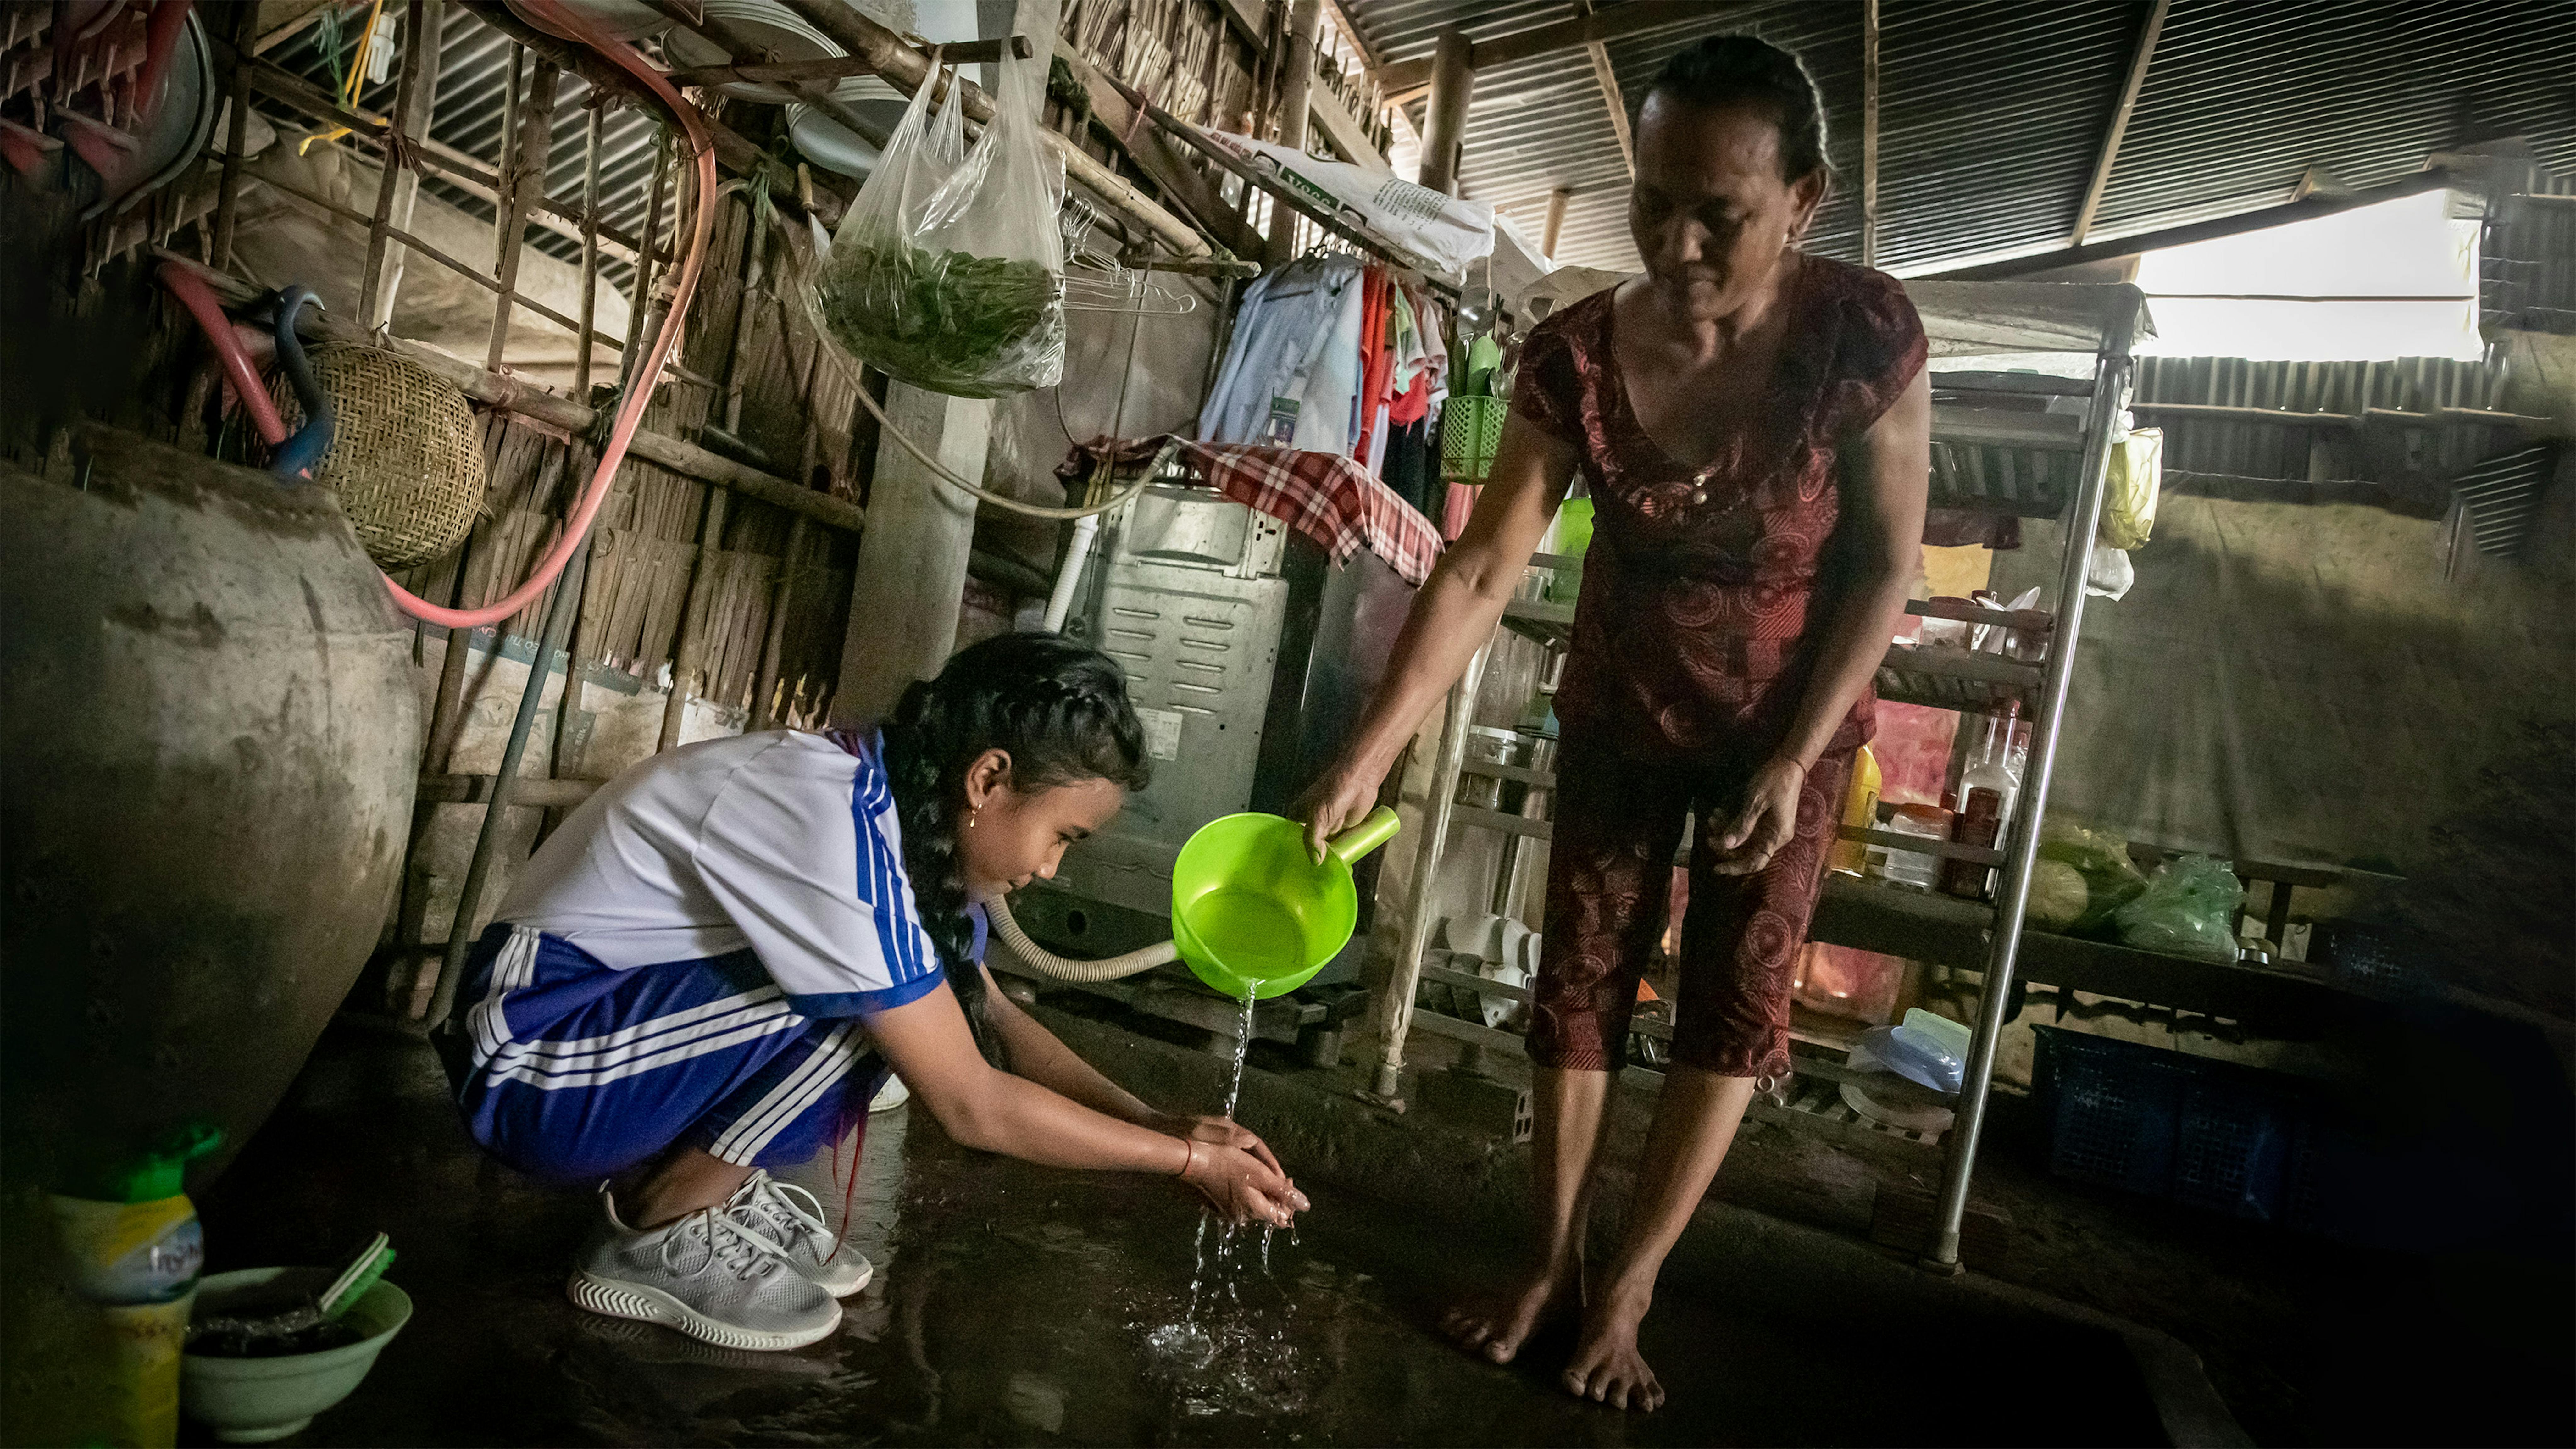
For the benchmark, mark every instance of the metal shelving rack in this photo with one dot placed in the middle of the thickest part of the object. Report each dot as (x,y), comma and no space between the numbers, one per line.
(2038,464)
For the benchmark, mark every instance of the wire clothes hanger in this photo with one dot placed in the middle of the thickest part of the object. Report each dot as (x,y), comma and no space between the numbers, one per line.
(1095,280)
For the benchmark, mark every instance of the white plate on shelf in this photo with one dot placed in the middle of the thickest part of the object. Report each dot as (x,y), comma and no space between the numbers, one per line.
(622,19)
(182,124)
(834,147)
(771,28)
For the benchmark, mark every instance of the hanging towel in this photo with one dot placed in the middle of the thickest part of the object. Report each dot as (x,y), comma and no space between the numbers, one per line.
(1324,496)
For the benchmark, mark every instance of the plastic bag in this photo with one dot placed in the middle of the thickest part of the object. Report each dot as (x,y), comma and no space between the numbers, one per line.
(1439,234)
(2102,859)
(948,272)
(2129,497)
(2188,909)
(2058,895)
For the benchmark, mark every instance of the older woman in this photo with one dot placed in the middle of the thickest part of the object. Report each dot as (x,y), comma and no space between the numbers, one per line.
(1753,423)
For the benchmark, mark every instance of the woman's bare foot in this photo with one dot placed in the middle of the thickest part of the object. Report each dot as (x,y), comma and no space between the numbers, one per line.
(1499,1328)
(1606,1368)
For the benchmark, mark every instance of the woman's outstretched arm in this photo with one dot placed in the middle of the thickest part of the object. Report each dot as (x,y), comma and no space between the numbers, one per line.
(1452,618)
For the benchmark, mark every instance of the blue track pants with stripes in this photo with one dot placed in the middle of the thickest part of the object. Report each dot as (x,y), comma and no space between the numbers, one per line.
(569,1070)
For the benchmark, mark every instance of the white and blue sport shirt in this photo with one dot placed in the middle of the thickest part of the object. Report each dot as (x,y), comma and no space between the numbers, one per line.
(782,842)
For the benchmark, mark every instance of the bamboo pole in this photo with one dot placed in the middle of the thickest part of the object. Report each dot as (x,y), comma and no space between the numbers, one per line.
(756,237)
(413,116)
(1869,133)
(527,178)
(237,136)
(460,169)
(589,249)
(764,690)
(391,176)
(501,159)
(686,661)
(636,301)
(554,635)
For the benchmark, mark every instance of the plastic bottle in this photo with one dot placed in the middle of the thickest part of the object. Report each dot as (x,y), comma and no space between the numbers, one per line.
(135,1250)
(1914,869)
(1986,795)
(1860,810)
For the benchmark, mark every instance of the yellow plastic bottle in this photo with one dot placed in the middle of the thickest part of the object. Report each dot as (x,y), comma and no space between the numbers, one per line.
(135,1250)
(1860,809)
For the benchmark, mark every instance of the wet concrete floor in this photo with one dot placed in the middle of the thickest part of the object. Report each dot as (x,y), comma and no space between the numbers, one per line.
(1018,1305)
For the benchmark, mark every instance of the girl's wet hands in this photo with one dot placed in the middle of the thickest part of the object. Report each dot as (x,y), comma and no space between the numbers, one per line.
(1767,821)
(1241,1187)
(1217,1132)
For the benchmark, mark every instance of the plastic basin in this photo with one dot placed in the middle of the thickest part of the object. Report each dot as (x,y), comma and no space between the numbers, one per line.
(255,1400)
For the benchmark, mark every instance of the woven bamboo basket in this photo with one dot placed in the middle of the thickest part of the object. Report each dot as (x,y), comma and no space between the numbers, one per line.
(406,454)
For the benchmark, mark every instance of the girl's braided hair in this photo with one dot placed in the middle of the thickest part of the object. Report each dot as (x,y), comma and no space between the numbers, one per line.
(1057,708)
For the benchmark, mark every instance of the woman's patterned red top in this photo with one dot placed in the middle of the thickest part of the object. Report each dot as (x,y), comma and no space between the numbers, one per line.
(1692,633)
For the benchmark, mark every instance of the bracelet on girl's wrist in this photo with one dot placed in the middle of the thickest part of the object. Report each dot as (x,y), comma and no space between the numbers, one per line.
(1189,1156)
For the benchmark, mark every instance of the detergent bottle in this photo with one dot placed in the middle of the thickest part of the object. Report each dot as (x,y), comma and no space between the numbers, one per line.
(1860,808)
(134,1248)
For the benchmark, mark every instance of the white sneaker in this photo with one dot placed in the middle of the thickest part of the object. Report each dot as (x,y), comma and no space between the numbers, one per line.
(709,1275)
(765,1205)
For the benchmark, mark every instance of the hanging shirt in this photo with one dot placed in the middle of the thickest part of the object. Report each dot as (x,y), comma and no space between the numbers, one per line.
(1291,373)
(1410,355)
(782,842)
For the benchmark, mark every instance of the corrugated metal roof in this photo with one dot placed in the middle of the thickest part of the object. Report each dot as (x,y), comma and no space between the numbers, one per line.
(474,73)
(2243,98)
(1991,111)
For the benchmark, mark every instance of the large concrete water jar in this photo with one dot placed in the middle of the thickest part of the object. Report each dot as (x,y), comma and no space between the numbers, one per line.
(208,750)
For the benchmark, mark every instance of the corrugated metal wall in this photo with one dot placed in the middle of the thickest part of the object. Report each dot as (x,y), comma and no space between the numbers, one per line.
(2416,461)
(1992,111)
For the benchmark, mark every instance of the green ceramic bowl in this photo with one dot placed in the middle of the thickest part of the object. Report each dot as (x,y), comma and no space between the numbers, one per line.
(255,1400)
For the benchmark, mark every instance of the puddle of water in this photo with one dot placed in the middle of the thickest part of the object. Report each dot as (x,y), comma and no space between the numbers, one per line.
(1016,1304)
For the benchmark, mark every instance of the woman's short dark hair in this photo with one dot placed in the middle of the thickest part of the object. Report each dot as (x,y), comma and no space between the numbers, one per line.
(1060,711)
(1726,70)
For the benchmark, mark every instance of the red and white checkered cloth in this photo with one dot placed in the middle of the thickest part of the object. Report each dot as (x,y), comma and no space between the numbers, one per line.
(1328,498)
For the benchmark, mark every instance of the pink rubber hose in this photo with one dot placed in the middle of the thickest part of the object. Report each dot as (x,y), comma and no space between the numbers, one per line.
(630,407)
(193,293)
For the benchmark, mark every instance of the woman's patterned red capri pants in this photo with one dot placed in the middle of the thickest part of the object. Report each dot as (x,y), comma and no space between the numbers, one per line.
(1618,821)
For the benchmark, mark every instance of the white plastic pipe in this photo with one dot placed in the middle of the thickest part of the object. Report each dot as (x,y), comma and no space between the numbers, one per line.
(1068,579)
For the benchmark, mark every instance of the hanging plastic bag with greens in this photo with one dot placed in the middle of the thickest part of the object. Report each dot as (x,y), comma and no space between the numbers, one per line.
(948,273)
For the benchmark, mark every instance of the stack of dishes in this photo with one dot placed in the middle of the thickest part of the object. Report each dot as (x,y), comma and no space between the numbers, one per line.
(775,34)
(179,127)
(835,147)
(622,19)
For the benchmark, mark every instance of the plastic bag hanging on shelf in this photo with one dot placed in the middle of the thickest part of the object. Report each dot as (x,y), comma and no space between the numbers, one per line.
(948,273)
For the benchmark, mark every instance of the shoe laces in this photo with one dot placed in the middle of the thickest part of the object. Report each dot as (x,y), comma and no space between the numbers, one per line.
(773,1205)
(748,1253)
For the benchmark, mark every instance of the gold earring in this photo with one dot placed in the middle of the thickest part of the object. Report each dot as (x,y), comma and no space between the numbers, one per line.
(971,814)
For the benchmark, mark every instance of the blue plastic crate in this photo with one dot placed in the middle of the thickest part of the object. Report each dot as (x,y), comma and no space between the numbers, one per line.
(2212,1134)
